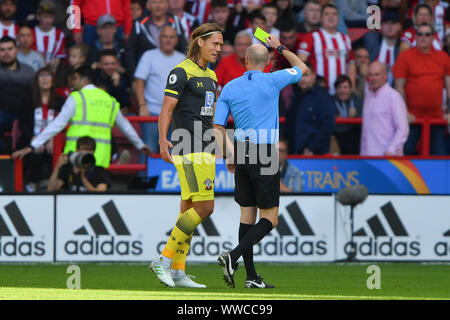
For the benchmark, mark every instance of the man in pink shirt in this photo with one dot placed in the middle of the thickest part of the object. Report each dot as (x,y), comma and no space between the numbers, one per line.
(385,123)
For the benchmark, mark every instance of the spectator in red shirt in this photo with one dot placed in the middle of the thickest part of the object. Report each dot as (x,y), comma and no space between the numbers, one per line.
(420,74)
(233,66)
(91,10)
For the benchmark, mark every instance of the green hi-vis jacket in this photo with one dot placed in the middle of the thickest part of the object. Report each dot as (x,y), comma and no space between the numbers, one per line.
(95,115)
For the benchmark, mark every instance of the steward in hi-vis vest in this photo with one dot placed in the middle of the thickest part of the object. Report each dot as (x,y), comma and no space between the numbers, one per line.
(95,114)
(91,112)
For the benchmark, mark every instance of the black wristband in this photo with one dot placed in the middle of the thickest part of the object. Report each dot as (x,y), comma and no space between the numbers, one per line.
(280,49)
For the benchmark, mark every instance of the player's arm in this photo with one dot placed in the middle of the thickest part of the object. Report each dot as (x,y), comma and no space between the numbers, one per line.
(175,84)
(165,118)
(291,57)
(221,114)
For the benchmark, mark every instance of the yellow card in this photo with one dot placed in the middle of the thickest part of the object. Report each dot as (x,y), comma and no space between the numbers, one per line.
(261,35)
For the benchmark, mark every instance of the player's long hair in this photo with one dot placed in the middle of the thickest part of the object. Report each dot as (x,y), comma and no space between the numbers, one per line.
(204,31)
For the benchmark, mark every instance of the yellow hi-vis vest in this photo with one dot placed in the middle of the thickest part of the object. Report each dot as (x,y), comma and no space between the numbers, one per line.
(95,115)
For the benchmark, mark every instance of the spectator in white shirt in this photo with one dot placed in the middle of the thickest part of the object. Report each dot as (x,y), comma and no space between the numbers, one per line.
(150,81)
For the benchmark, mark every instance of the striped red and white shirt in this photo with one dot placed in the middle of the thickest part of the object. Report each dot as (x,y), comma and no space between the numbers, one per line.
(409,36)
(43,115)
(202,9)
(387,56)
(188,22)
(50,44)
(328,53)
(11,30)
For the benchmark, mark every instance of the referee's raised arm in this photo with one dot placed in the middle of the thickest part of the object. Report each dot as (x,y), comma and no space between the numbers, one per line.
(291,57)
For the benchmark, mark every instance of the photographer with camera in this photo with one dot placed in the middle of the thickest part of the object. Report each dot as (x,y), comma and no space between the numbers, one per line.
(76,171)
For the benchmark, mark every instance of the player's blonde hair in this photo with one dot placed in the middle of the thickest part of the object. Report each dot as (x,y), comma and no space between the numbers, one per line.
(204,31)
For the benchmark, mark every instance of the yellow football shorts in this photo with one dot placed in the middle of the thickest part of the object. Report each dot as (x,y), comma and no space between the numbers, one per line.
(196,172)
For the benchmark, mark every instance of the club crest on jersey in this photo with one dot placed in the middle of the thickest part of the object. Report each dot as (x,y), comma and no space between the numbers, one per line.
(208,183)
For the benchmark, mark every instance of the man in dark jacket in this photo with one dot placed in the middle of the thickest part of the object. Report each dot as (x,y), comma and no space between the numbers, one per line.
(145,33)
(310,118)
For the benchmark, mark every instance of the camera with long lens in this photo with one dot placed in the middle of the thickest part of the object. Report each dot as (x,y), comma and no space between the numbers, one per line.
(82,159)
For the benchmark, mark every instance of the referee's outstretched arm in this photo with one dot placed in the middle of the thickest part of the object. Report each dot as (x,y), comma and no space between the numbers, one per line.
(291,57)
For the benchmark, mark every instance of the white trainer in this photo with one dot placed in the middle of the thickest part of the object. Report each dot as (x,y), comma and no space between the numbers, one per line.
(187,282)
(162,271)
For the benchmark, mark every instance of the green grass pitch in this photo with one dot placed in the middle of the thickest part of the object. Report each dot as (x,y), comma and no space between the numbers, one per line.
(292,281)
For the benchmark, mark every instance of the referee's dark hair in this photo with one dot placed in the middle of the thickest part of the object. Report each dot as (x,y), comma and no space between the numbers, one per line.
(86,72)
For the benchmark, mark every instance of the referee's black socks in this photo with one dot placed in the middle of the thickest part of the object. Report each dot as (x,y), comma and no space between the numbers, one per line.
(252,237)
(247,255)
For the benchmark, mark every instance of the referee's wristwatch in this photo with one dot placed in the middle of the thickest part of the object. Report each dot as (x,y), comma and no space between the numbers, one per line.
(280,49)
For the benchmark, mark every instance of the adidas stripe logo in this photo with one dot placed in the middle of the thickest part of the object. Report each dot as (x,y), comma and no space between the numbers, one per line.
(299,219)
(98,226)
(377,227)
(18,221)
(109,244)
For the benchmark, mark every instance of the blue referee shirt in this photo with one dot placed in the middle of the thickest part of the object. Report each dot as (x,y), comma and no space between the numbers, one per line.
(252,100)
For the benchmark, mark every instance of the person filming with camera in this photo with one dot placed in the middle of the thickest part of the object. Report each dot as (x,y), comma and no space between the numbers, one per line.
(76,171)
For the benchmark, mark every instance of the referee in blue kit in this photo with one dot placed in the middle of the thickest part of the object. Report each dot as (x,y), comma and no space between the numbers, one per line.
(252,100)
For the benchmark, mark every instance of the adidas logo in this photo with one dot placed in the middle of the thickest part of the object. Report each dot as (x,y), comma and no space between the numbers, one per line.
(387,248)
(442,248)
(295,245)
(17,247)
(377,228)
(106,240)
(99,228)
(299,219)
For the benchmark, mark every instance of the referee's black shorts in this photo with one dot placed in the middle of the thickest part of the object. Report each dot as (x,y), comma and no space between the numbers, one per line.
(253,188)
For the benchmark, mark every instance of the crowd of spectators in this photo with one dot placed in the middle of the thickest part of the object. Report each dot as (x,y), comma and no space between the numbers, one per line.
(389,76)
